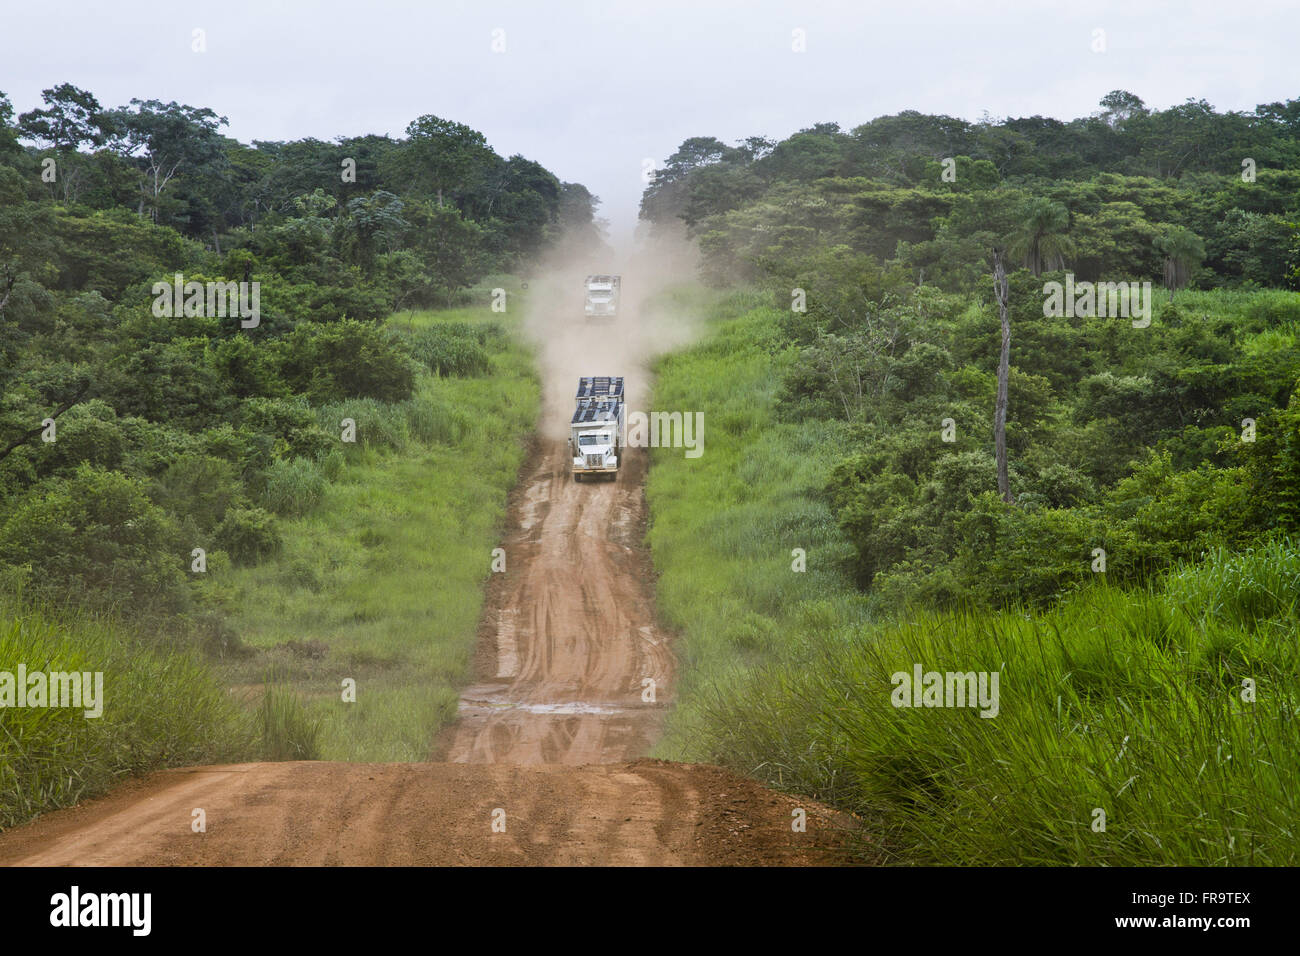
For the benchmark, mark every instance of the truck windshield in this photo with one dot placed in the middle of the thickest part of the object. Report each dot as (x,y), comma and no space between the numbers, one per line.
(596,439)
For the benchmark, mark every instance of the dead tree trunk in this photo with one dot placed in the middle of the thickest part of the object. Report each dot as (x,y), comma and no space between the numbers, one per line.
(1004,368)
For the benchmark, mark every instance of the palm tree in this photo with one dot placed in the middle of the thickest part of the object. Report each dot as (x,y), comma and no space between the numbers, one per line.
(1184,252)
(1040,239)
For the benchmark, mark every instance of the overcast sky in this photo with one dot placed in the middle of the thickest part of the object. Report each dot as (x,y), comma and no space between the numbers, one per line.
(591,90)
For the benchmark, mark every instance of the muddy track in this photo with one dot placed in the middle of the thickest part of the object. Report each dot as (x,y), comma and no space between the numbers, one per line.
(572,668)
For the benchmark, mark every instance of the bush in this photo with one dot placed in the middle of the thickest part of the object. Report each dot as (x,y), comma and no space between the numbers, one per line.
(291,422)
(96,539)
(346,359)
(198,487)
(248,535)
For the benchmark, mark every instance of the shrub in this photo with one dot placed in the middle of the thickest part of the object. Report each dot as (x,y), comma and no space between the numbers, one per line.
(198,487)
(346,359)
(96,539)
(291,422)
(247,535)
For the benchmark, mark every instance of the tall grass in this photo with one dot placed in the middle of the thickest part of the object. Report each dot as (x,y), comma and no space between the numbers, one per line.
(293,487)
(725,526)
(1173,711)
(160,708)
(288,732)
(1115,703)
(382,581)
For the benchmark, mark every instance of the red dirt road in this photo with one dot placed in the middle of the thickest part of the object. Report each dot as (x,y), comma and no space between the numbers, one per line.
(546,746)
(429,814)
(569,640)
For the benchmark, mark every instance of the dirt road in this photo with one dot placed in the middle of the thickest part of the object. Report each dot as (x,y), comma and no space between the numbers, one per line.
(542,767)
(572,667)
(433,814)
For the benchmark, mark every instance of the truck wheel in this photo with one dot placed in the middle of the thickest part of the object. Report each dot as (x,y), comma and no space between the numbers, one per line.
(577,477)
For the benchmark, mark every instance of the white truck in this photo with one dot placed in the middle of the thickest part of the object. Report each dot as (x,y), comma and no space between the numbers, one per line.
(596,430)
(602,296)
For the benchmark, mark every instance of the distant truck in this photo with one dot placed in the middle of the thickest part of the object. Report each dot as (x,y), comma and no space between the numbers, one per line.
(596,430)
(602,296)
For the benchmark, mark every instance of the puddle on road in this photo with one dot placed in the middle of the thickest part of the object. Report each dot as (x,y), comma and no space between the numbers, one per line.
(571,707)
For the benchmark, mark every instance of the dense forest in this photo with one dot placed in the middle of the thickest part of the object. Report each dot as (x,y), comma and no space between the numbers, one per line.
(1135,578)
(929,194)
(127,438)
(1152,443)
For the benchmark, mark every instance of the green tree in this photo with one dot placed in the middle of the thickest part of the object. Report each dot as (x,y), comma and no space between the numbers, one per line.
(1183,251)
(1040,239)
(441,154)
(162,139)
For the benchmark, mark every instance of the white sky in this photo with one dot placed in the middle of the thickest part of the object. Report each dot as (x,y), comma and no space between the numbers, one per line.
(591,89)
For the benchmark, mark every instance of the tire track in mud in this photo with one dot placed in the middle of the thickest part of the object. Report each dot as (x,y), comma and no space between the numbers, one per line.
(568,637)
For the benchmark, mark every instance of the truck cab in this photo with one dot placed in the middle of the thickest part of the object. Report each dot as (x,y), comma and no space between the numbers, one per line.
(595,452)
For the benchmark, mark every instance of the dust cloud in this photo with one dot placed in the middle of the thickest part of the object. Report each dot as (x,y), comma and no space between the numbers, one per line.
(570,345)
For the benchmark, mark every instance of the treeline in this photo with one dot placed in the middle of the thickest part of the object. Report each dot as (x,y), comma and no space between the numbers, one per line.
(930,194)
(130,438)
(1132,447)
(407,220)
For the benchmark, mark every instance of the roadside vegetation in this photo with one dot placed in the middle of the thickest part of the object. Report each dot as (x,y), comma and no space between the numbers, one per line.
(1131,577)
(363,560)
(386,545)
(162,707)
(1121,692)
(183,479)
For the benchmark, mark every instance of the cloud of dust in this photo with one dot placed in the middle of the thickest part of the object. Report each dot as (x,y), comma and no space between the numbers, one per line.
(569,345)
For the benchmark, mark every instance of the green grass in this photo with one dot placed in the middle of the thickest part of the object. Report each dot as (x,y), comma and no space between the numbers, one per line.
(1115,701)
(724,526)
(380,579)
(160,709)
(1128,702)
(386,546)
